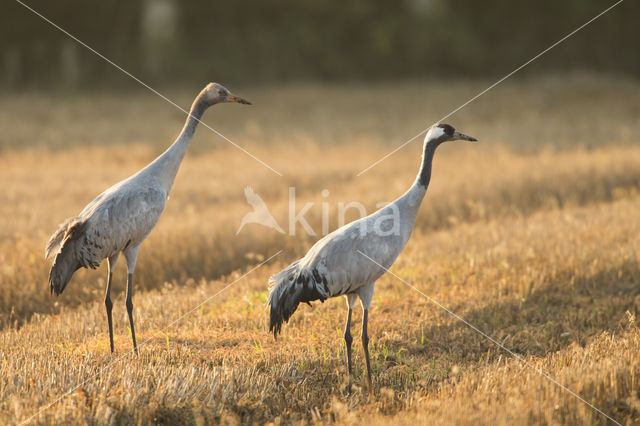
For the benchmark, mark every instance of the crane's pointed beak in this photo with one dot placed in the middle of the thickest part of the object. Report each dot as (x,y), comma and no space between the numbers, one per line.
(234,98)
(461,136)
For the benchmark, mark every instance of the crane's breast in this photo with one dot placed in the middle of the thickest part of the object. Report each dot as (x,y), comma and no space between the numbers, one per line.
(351,259)
(124,220)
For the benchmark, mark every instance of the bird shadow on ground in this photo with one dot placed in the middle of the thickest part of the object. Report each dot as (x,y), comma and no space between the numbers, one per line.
(568,309)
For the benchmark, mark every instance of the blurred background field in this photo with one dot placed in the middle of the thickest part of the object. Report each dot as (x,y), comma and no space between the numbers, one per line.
(530,234)
(63,157)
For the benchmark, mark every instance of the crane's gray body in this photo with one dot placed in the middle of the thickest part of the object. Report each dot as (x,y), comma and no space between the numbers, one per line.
(344,261)
(339,257)
(118,220)
(341,262)
(349,260)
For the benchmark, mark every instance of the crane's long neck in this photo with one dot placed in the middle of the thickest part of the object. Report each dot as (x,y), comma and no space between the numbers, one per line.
(409,203)
(166,166)
(424,175)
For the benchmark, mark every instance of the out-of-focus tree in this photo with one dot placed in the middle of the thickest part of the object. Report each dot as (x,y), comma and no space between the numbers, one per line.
(261,41)
(32,52)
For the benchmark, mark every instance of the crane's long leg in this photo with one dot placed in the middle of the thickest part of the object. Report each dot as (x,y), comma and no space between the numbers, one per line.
(111,264)
(365,343)
(132,255)
(129,303)
(348,339)
(366,295)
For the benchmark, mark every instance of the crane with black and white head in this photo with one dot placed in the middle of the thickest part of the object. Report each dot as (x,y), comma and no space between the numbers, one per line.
(349,260)
(119,219)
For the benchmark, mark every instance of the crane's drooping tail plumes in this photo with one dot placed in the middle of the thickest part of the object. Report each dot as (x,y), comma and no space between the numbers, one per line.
(65,245)
(54,243)
(287,290)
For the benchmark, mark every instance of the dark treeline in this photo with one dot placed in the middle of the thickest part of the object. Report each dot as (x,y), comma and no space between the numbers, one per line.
(259,41)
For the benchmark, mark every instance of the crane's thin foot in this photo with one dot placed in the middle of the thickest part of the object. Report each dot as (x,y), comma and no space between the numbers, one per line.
(365,345)
(129,303)
(348,339)
(133,331)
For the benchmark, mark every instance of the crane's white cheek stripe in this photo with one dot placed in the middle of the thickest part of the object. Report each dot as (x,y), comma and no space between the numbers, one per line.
(434,133)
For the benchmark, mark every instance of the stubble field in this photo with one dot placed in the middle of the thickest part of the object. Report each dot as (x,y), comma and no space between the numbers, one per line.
(530,235)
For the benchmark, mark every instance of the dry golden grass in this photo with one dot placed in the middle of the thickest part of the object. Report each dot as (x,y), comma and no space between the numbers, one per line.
(535,245)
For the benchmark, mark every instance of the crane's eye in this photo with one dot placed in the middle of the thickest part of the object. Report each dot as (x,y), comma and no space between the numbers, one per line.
(447,129)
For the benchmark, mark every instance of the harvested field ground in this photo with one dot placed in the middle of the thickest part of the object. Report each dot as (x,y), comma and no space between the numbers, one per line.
(530,235)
